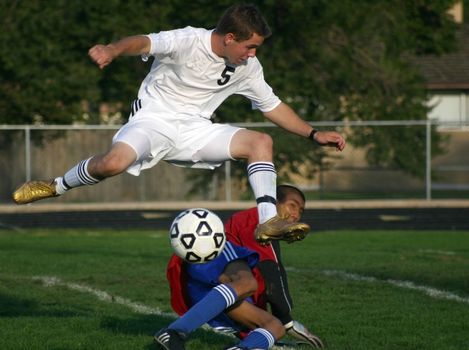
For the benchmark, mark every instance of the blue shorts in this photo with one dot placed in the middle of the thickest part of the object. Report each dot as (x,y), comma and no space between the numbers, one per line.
(203,277)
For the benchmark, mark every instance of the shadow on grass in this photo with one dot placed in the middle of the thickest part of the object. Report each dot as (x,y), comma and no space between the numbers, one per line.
(148,325)
(17,307)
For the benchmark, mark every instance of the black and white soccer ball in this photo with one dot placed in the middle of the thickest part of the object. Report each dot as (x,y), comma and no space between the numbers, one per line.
(197,235)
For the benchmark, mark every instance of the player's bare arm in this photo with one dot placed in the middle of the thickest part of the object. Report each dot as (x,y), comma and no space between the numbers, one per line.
(135,45)
(285,117)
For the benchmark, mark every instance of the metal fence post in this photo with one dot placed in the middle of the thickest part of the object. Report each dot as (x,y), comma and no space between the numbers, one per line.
(428,160)
(27,150)
(228,181)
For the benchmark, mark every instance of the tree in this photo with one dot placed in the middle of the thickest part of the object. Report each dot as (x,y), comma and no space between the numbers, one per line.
(348,60)
(351,63)
(46,73)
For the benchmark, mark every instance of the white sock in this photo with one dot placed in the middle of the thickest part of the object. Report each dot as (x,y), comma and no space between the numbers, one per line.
(263,180)
(75,177)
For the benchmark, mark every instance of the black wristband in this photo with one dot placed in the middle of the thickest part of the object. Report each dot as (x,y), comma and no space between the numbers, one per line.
(311,135)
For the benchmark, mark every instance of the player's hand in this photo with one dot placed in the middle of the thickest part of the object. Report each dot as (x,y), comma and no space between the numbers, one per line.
(102,55)
(330,139)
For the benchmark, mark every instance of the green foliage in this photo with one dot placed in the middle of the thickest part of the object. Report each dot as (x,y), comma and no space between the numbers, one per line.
(347,60)
(465,4)
(45,70)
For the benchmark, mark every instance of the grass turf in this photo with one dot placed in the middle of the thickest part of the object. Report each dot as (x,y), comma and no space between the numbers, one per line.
(349,287)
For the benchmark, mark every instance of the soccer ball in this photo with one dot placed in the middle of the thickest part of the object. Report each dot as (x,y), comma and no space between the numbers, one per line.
(197,235)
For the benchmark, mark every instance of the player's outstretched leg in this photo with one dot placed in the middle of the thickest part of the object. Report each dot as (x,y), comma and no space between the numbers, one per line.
(87,172)
(32,191)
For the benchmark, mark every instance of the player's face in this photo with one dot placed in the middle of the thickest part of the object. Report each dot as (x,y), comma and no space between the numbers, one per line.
(292,207)
(238,52)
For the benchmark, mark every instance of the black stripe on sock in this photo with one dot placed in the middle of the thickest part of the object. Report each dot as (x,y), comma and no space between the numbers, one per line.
(266,199)
(66,185)
(83,176)
(261,167)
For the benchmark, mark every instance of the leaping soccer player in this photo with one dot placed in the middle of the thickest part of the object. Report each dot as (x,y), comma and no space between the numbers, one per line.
(193,72)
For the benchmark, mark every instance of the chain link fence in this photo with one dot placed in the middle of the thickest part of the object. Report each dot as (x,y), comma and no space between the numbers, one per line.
(44,152)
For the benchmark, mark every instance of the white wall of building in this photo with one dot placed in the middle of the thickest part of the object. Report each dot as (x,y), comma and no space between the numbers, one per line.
(450,107)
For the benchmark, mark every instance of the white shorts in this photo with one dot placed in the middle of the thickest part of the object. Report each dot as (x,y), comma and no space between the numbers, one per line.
(184,140)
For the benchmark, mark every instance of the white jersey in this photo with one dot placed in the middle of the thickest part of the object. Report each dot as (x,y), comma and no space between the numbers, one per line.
(187,77)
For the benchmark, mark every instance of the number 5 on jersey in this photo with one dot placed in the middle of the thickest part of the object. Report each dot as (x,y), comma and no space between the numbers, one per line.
(226,75)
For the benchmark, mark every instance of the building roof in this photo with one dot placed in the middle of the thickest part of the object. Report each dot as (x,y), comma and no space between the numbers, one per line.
(448,71)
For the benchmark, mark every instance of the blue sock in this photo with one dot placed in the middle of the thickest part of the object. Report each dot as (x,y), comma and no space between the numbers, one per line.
(259,338)
(214,303)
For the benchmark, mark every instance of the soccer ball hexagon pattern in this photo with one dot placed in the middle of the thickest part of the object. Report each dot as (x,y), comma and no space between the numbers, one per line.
(197,235)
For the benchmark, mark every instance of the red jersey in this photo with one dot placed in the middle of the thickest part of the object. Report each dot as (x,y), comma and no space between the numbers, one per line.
(240,231)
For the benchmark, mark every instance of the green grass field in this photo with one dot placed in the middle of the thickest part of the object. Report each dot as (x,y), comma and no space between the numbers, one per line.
(94,289)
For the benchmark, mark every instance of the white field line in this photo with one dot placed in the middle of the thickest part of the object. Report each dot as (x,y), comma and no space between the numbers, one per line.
(51,281)
(437,252)
(430,291)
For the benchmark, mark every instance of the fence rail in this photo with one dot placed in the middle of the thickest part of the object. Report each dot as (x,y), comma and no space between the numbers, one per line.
(454,161)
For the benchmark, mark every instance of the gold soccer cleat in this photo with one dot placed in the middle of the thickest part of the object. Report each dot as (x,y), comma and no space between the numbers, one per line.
(32,191)
(278,228)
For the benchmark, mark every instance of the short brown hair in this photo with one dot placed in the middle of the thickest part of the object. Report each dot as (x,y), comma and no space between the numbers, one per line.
(243,21)
(284,190)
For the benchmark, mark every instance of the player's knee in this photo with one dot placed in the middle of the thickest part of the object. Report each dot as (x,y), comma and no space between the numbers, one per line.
(251,145)
(264,141)
(251,286)
(245,287)
(260,147)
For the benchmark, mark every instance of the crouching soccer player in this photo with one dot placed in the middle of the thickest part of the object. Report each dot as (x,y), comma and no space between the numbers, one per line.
(218,293)
(239,230)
